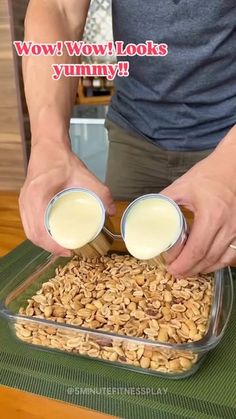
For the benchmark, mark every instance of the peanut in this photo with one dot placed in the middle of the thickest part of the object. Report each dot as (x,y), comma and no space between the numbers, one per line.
(123,296)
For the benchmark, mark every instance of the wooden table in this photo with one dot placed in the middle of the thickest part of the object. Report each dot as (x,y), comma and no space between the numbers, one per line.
(11,231)
(17,404)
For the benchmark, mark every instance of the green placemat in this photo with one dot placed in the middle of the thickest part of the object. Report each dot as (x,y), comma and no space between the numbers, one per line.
(210,393)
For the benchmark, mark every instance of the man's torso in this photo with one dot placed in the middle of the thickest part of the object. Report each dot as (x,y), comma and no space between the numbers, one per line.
(187,99)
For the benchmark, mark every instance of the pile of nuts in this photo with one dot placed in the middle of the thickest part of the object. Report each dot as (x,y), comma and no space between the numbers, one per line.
(123,296)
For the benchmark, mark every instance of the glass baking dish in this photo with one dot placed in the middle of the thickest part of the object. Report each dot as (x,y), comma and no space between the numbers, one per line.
(139,354)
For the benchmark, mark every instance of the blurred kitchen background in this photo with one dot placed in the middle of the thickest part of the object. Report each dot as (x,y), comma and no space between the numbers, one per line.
(88,135)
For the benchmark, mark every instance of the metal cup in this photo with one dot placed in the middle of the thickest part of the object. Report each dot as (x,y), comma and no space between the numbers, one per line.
(173,249)
(101,242)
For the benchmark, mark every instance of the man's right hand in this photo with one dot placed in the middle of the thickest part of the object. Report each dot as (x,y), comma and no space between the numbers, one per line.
(54,167)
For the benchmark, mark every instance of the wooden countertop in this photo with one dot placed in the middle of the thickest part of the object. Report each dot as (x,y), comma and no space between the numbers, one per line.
(11,230)
(16,404)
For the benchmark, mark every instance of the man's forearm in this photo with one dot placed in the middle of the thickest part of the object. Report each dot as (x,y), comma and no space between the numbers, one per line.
(50,102)
(223,158)
(229,141)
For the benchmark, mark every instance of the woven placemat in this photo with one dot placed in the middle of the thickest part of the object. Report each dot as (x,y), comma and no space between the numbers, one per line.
(210,393)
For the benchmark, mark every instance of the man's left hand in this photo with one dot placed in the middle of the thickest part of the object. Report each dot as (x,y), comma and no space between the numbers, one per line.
(209,190)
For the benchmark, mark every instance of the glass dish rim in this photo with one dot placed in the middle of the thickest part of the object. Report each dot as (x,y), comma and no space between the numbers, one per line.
(208,342)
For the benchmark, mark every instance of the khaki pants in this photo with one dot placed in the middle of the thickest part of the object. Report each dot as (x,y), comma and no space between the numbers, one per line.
(137,167)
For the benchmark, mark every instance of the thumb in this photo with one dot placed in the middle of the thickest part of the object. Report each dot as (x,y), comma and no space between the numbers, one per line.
(108,201)
(110,206)
(179,192)
(174,192)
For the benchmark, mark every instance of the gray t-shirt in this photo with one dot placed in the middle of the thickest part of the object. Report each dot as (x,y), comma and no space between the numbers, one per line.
(187,99)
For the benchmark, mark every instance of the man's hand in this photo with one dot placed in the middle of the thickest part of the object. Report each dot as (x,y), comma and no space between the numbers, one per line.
(209,190)
(53,167)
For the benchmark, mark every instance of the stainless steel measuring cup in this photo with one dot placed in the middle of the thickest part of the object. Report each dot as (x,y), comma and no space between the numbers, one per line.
(174,248)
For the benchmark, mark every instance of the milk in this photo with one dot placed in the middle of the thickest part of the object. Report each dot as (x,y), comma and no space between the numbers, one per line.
(152,224)
(74,218)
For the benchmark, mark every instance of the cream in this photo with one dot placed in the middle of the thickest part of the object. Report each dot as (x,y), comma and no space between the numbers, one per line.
(75,219)
(151,226)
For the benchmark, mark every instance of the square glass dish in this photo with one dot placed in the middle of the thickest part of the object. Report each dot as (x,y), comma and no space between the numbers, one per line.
(144,355)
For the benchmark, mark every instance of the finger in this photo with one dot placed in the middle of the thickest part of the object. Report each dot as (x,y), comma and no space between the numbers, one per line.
(54,249)
(47,243)
(218,248)
(173,192)
(104,193)
(197,245)
(23,218)
(227,259)
(108,202)
(89,181)
(39,235)
(42,239)
(179,192)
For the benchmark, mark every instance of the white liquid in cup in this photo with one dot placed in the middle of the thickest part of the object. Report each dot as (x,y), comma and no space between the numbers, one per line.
(152,225)
(75,219)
